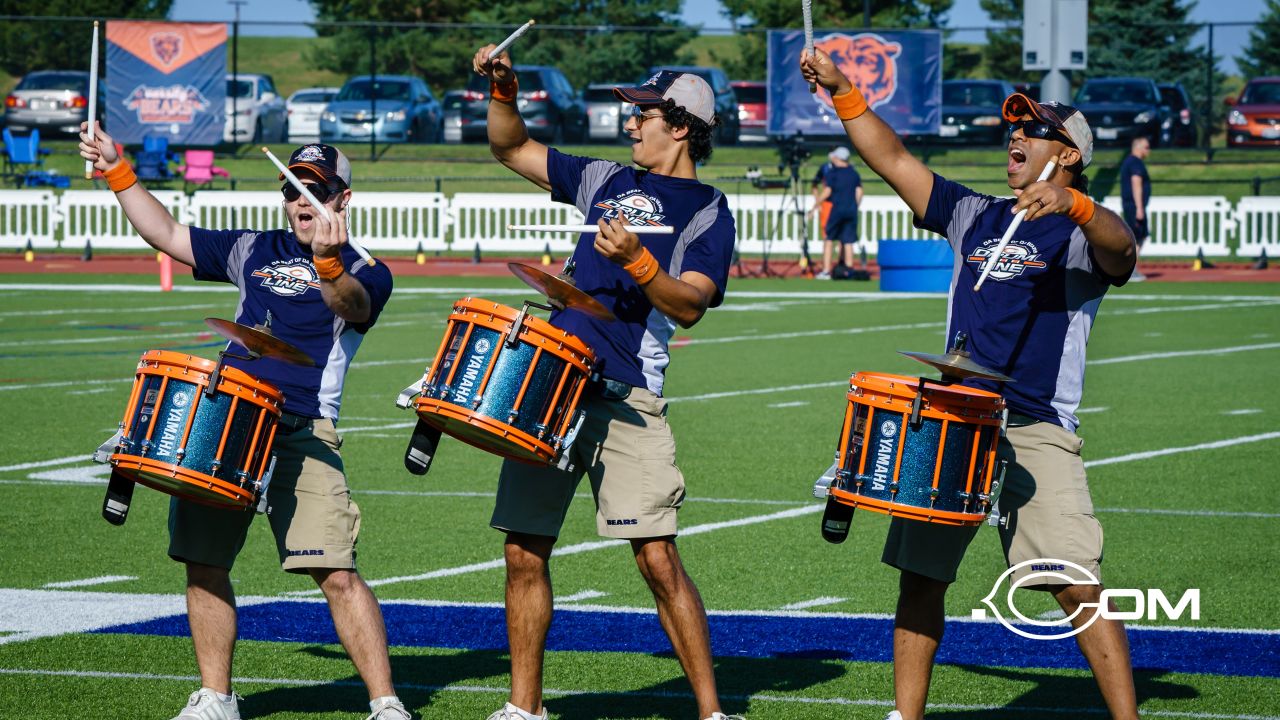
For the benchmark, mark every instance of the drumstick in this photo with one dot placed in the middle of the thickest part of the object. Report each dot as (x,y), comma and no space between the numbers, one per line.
(93,96)
(806,8)
(637,229)
(1013,226)
(294,181)
(510,39)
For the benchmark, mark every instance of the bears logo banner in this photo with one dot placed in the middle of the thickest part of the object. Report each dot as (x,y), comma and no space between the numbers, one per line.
(166,79)
(899,73)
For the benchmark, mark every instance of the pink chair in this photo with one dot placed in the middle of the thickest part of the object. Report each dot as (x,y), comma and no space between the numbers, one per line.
(198,169)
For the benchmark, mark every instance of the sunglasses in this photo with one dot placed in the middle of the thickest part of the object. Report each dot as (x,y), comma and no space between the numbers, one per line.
(322,192)
(1040,131)
(640,114)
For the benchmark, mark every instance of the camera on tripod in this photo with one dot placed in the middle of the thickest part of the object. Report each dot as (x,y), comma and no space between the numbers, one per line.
(792,152)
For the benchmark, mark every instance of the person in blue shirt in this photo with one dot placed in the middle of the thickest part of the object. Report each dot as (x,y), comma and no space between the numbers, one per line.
(1135,192)
(842,188)
(322,298)
(1031,321)
(625,446)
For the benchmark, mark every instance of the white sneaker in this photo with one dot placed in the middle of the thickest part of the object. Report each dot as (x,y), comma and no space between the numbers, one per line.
(822,276)
(722,716)
(391,711)
(205,705)
(511,712)
(895,715)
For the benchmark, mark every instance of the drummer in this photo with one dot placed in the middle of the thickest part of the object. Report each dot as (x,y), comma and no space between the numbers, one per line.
(625,446)
(1030,321)
(325,298)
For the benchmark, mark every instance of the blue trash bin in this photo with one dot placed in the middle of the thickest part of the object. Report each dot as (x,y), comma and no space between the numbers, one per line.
(915,265)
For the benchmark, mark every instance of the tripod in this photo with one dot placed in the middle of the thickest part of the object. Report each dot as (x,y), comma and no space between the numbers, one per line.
(790,203)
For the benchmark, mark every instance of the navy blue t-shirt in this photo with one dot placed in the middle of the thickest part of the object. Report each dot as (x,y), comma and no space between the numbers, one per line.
(844,183)
(1129,167)
(633,349)
(274,272)
(1032,318)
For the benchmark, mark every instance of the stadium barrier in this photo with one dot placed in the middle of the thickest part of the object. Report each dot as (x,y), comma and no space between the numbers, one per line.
(1181,226)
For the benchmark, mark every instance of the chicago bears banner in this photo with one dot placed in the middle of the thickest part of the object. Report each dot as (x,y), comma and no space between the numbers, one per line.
(899,72)
(166,79)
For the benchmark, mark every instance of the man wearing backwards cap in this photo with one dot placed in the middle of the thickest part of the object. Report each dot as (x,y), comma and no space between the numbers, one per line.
(323,298)
(625,446)
(1031,321)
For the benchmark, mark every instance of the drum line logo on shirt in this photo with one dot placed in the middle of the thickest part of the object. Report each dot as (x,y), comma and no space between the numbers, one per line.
(635,206)
(289,277)
(1017,257)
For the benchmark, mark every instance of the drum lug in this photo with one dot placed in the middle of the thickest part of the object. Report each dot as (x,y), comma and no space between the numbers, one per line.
(540,430)
(146,446)
(215,467)
(111,446)
(511,417)
(179,453)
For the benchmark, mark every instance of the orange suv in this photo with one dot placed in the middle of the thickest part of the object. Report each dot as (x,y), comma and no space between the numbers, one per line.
(1254,117)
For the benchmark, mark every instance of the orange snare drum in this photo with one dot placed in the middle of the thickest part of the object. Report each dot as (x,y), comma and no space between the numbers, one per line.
(919,449)
(213,449)
(506,382)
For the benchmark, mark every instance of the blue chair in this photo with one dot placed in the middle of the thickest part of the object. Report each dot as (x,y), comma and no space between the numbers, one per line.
(22,154)
(152,166)
(159,144)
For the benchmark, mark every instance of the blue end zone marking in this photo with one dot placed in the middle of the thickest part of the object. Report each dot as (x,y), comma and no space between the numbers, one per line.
(842,638)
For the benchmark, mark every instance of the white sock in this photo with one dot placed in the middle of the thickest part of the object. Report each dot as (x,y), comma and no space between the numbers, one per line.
(513,710)
(377,704)
(220,696)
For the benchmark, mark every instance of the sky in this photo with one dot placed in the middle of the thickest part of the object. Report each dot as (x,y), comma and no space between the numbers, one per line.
(1228,42)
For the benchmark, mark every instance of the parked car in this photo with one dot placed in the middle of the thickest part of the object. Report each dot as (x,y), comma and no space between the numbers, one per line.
(1254,118)
(726,102)
(971,111)
(403,110)
(51,101)
(1121,109)
(304,108)
(1182,126)
(452,103)
(551,109)
(606,114)
(753,110)
(255,111)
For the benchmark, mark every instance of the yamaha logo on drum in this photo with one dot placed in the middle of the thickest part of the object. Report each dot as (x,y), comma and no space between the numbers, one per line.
(173,424)
(181,400)
(882,470)
(472,371)
(482,346)
(888,429)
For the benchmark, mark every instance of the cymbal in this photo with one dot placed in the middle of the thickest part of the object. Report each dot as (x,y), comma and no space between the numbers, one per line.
(560,292)
(957,365)
(259,342)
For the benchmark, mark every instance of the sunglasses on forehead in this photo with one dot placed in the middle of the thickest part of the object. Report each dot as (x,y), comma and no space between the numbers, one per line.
(1040,131)
(322,192)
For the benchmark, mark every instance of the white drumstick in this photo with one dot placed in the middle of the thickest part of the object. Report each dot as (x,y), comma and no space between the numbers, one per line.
(1013,226)
(294,181)
(510,39)
(637,229)
(806,8)
(93,96)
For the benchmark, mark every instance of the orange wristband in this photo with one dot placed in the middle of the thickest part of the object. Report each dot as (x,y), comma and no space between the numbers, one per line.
(505,92)
(643,270)
(328,268)
(1082,207)
(121,177)
(849,105)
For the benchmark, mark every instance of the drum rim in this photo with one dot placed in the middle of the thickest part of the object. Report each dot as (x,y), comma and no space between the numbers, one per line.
(543,451)
(974,398)
(136,468)
(909,512)
(273,395)
(533,322)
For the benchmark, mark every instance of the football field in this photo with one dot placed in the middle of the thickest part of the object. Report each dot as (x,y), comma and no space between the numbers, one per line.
(1180,416)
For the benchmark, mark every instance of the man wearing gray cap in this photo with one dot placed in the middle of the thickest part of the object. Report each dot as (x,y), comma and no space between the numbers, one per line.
(625,446)
(842,187)
(1031,321)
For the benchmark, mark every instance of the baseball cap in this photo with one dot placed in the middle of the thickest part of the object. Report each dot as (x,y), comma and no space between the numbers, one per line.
(1064,117)
(687,90)
(840,153)
(326,161)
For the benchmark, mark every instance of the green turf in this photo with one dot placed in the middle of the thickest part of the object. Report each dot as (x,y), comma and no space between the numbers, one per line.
(752,448)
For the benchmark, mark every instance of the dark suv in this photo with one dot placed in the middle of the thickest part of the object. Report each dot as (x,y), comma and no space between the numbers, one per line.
(1182,126)
(1121,109)
(551,109)
(726,101)
(971,112)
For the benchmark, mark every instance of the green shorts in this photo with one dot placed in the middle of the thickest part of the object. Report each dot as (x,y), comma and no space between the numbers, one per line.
(627,450)
(312,516)
(1045,500)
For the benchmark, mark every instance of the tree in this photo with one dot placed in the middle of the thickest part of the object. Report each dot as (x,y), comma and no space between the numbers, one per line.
(1262,56)
(44,44)
(1002,54)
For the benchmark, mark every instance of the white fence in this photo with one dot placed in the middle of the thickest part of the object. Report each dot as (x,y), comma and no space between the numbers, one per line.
(395,221)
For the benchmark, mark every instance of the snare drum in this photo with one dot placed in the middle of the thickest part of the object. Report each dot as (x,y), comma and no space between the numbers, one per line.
(211,449)
(511,393)
(919,449)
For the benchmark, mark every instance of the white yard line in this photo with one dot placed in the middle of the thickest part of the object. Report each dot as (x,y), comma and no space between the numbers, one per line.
(63,383)
(122,312)
(87,582)
(816,602)
(1188,448)
(1184,353)
(584,595)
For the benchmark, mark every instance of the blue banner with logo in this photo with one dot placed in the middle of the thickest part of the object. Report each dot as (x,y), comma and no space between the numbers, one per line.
(899,73)
(166,79)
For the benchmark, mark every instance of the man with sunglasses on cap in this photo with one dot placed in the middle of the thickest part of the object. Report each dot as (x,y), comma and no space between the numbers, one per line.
(322,298)
(1031,321)
(624,446)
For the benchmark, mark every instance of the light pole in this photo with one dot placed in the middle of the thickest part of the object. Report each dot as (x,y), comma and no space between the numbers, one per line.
(235,72)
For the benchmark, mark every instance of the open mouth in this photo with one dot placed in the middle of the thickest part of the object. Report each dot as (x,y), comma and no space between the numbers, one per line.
(305,220)
(1017,159)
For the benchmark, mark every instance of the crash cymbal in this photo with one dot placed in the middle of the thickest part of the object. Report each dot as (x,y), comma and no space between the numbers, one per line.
(560,292)
(260,342)
(957,365)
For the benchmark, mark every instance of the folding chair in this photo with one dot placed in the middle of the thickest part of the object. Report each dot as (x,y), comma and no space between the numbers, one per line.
(199,170)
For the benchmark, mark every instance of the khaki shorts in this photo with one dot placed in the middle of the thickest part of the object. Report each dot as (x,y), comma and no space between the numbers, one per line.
(626,448)
(1047,503)
(312,516)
